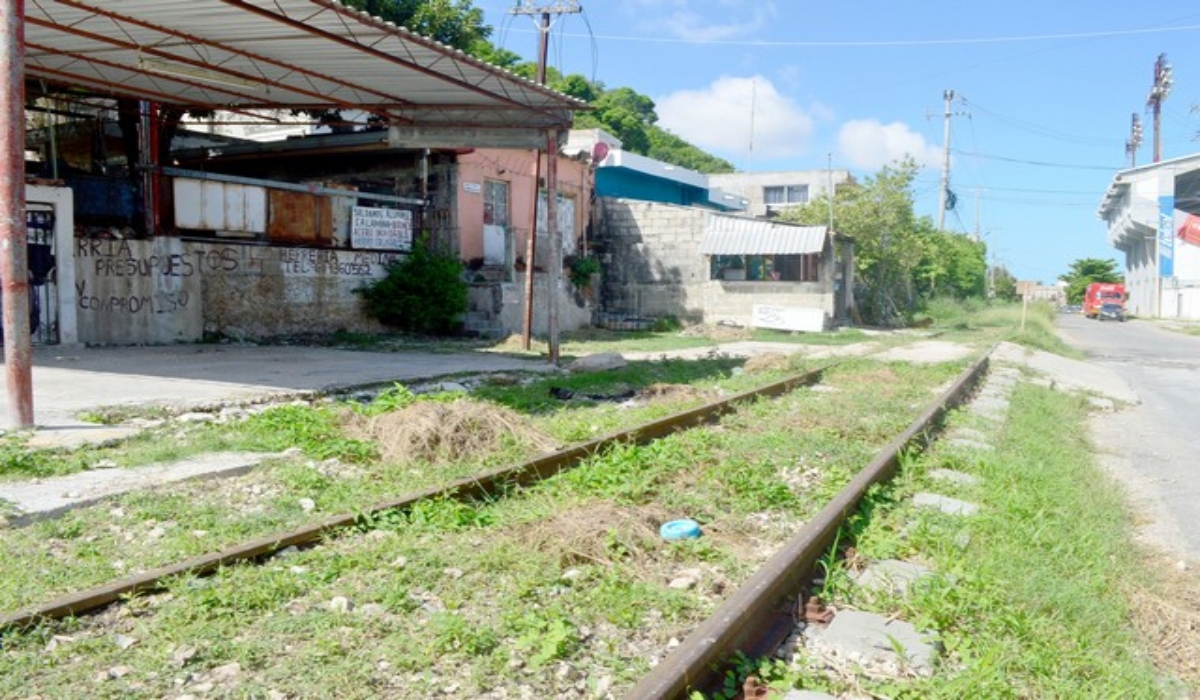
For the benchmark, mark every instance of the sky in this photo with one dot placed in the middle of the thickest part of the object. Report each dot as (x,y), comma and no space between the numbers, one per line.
(1044,94)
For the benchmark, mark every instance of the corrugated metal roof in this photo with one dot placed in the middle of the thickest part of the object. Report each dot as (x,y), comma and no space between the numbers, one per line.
(299,54)
(739,235)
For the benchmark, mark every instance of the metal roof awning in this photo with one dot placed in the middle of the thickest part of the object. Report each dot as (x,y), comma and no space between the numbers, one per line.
(257,54)
(735,235)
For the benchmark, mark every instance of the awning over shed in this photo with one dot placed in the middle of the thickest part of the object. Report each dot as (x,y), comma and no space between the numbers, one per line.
(298,54)
(736,235)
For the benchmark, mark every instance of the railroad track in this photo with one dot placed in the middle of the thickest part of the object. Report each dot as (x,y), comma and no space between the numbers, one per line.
(475,487)
(753,620)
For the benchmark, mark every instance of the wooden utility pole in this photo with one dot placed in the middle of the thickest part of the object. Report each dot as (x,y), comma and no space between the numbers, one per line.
(528,7)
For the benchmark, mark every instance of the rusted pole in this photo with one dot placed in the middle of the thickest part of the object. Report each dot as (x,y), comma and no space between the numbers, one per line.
(531,246)
(554,247)
(530,253)
(14,263)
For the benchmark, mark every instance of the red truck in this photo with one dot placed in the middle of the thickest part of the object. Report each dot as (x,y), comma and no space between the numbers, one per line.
(1098,293)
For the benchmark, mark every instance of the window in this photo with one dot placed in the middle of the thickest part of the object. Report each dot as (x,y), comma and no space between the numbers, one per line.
(764,268)
(785,194)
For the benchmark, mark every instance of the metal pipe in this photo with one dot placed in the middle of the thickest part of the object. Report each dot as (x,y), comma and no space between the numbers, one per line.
(14,256)
(554,247)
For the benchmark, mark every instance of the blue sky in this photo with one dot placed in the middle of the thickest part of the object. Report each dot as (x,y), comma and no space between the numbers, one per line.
(1044,96)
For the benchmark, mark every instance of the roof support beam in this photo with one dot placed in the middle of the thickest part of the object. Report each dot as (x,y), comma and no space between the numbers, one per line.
(479,137)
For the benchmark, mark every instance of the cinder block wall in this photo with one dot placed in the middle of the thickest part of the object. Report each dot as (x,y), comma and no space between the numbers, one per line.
(653,267)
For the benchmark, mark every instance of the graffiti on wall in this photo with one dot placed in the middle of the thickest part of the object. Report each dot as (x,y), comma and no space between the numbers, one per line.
(152,277)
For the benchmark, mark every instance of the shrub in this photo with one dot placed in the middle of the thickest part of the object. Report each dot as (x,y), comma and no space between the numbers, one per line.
(423,292)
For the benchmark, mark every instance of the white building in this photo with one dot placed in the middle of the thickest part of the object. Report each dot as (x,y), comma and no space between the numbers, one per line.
(1153,217)
(769,193)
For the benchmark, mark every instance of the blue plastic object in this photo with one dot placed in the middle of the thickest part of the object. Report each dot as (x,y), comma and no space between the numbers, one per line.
(680,530)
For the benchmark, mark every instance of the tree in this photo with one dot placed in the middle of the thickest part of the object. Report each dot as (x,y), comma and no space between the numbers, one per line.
(456,23)
(953,265)
(1004,284)
(888,247)
(1085,271)
(669,148)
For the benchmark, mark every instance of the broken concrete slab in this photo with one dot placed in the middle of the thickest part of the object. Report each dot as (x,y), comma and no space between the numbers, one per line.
(1068,374)
(598,362)
(50,498)
(893,576)
(949,506)
(968,434)
(964,444)
(877,646)
(954,477)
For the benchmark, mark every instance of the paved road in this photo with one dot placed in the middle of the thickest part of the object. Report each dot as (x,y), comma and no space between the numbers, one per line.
(1153,447)
(67,381)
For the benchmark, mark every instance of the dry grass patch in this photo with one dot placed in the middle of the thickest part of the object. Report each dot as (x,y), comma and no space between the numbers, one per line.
(673,392)
(595,533)
(768,362)
(435,431)
(1167,616)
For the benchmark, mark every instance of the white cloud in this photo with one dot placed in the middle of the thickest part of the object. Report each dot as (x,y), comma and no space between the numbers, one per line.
(717,118)
(870,145)
(702,20)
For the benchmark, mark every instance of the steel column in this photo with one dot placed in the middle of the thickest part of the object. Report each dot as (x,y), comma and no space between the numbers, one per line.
(14,262)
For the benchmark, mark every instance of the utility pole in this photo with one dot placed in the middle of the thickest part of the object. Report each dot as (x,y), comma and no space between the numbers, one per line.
(530,8)
(1135,139)
(943,202)
(1159,92)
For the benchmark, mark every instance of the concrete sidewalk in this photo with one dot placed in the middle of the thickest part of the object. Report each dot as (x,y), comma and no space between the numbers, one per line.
(68,381)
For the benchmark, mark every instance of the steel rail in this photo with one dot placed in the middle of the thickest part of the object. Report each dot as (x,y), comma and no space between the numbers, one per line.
(759,614)
(478,486)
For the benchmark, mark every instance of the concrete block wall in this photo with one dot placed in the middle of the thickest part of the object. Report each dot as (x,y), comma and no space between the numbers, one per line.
(653,267)
(163,290)
(651,258)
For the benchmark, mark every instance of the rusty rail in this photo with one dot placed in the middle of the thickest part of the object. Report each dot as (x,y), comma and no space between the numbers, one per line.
(758,616)
(477,486)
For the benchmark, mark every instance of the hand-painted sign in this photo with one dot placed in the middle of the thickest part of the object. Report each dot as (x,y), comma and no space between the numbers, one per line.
(381,229)
(1166,237)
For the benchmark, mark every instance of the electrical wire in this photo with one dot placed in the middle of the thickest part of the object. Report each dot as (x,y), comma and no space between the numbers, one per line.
(901,42)
(1045,164)
(1032,128)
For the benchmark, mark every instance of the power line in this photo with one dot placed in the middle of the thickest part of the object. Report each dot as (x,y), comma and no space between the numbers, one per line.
(1038,129)
(896,42)
(1071,166)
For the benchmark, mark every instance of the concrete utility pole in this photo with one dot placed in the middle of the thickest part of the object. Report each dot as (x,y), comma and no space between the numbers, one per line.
(528,7)
(1159,92)
(14,256)
(948,96)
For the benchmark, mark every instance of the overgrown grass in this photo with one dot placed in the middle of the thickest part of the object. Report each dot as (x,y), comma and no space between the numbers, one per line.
(482,596)
(1030,325)
(1027,596)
